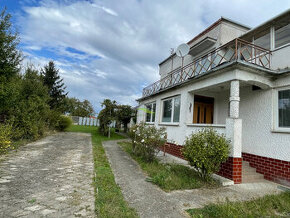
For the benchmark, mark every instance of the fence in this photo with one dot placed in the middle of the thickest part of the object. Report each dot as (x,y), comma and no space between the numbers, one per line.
(89,121)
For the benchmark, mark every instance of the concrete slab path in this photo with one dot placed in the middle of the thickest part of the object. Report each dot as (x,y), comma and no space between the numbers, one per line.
(150,201)
(49,178)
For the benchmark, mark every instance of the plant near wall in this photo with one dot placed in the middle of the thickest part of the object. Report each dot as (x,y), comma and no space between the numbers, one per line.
(205,151)
(146,140)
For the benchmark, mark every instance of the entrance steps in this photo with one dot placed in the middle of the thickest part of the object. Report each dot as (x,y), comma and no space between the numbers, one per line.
(249,174)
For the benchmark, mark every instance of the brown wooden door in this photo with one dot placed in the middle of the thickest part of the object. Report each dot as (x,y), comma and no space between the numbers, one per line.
(203,113)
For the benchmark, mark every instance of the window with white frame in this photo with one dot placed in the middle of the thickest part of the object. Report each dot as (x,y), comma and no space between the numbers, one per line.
(150,112)
(282,35)
(171,110)
(284,108)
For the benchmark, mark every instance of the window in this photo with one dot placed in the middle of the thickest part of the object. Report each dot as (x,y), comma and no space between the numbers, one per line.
(282,35)
(203,109)
(150,112)
(284,108)
(263,39)
(171,110)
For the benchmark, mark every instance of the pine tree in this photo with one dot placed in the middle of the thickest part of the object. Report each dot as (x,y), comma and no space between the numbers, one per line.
(10,56)
(55,85)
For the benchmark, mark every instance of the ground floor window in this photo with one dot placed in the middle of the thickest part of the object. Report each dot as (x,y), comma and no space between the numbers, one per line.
(284,108)
(171,110)
(203,109)
(150,112)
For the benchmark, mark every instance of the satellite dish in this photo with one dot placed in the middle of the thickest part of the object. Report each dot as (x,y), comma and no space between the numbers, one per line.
(182,50)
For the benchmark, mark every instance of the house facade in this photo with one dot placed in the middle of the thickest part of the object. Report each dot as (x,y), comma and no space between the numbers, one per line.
(235,80)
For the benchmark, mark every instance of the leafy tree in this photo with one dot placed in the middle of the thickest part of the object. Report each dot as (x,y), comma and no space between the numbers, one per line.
(10,56)
(31,114)
(56,87)
(75,107)
(107,115)
(124,114)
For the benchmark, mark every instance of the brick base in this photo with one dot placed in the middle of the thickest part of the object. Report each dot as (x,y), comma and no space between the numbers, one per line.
(173,149)
(272,169)
(232,169)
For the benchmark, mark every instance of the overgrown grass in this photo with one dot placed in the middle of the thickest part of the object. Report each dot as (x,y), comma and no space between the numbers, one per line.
(268,206)
(109,198)
(169,177)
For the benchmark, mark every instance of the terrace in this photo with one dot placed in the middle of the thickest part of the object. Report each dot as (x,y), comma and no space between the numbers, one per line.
(237,49)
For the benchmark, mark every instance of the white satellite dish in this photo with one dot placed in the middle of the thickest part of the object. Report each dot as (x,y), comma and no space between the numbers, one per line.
(182,50)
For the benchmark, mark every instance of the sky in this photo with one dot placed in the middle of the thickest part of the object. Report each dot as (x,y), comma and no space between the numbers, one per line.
(111,49)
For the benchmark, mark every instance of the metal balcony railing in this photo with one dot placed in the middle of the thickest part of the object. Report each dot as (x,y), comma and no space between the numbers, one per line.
(237,49)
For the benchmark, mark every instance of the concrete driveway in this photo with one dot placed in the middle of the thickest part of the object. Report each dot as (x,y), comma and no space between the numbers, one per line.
(49,178)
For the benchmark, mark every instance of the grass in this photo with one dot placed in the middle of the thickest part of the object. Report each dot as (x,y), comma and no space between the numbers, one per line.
(109,198)
(169,177)
(267,206)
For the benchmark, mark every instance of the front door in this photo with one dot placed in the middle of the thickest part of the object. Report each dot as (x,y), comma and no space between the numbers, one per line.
(203,109)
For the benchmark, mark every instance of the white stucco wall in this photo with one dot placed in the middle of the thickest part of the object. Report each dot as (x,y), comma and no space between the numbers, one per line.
(280,58)
(256,111)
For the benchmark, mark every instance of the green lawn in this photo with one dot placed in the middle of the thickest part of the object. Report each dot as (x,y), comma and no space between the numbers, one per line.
(268,206)
(169,177)
(109,198)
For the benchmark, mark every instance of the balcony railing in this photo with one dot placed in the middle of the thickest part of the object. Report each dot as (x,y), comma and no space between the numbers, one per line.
(237,49)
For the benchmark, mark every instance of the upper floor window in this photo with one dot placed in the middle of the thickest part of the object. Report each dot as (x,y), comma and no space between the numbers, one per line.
(282,35)
(284,108)
(171,110)
(263,39)
(150,112)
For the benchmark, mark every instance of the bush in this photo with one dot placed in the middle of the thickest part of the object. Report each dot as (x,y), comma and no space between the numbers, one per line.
(205,151)
(5,138)
(146,140)
(64,122)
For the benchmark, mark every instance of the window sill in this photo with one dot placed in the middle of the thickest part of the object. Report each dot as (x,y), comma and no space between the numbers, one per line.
(206,125)
(168,124)
(147,123)
(281,130)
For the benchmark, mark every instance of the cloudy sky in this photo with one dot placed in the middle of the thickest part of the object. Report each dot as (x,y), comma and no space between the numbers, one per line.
(111,49)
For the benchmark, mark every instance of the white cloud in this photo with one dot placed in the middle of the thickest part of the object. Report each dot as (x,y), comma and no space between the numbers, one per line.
(131,37)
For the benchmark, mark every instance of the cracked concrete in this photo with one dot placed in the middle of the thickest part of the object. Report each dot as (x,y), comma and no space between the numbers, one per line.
(150,201)
(49,178)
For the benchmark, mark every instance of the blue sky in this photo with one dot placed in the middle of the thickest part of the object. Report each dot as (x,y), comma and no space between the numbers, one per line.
(111,49)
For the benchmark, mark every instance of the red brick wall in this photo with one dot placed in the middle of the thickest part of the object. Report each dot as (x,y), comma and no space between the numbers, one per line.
(272,169)
(232,169)
(173,149)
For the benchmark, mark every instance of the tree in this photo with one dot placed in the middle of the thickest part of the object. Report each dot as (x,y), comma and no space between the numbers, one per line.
(55,85)
(10,56)
(107,115)
(10,59)
(124,114)
(75,107)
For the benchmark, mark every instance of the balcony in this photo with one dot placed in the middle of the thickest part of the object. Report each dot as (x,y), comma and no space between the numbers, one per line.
(237,49)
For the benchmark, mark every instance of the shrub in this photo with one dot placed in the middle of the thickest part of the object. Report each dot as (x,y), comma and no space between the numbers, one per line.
(64,122)
(5,138)
(205,151)
(146,140)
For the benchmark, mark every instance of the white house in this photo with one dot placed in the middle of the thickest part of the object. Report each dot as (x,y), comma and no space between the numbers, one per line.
(237,81)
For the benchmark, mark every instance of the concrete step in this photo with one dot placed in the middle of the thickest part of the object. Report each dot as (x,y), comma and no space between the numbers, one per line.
(249,174)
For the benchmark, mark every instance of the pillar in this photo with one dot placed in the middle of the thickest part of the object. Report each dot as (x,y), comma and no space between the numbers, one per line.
(232,168)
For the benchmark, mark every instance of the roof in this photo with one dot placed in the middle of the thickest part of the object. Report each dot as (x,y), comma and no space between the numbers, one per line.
(215,24)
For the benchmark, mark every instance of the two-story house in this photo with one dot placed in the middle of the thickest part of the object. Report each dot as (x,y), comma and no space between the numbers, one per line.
(235,80)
